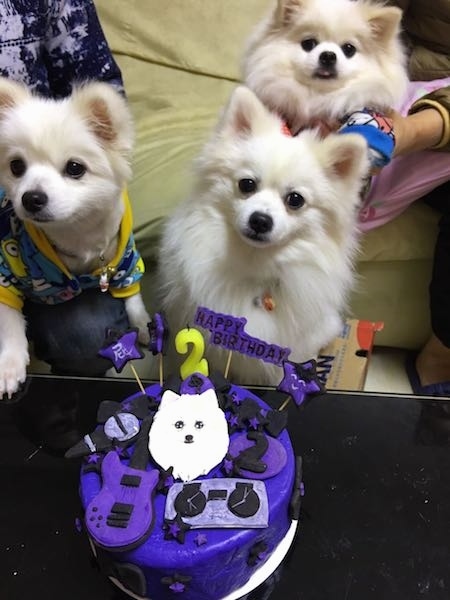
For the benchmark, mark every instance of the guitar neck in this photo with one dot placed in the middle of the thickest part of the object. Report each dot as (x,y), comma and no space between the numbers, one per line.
(141,454)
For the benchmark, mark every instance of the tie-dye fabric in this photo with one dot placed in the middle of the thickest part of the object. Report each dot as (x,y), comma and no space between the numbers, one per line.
(52,44)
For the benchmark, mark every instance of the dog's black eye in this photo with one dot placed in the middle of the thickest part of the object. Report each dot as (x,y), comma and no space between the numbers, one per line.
(179,425)
(198,424)
(18,167)
(294,200)
(309,44)
(348,49)
(74,169)
(247,186)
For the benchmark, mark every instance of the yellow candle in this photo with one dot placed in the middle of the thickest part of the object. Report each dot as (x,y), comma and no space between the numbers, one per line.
(194,363)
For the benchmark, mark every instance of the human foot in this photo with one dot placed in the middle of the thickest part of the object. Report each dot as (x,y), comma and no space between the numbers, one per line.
(433,363)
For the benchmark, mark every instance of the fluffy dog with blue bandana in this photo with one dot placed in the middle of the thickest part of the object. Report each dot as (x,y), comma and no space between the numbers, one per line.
(65,219)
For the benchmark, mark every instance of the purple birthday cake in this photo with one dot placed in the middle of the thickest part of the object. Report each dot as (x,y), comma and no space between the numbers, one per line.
(190,489)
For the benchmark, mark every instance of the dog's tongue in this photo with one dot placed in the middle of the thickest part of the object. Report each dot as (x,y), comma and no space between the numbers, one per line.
(325,73)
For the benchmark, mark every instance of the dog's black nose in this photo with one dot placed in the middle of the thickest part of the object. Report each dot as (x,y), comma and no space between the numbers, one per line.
(327,59)
(188,439)
(34,200)
(260,222)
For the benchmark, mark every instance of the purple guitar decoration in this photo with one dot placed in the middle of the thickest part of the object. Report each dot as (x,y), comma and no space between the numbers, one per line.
(121,515)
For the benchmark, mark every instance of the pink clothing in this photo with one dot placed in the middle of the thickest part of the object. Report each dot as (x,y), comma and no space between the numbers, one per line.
(406,178)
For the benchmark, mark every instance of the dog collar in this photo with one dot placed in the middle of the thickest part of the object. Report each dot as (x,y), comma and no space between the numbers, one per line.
(105,275)
(265,301)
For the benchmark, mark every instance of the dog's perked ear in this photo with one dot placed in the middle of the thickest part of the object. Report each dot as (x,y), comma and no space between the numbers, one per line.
(345,156)
(106,113)
(169,397)
(246,115)
(285,9)
(384,22)
(11,93)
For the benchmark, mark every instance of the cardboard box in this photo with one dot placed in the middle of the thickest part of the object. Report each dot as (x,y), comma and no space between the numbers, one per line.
(343,364)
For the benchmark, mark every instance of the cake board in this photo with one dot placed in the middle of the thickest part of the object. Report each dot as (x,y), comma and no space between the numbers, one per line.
(257,579)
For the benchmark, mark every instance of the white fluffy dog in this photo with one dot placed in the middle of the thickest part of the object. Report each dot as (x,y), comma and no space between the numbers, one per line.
(64,165)
(268,233)
(189,433)
(323,59)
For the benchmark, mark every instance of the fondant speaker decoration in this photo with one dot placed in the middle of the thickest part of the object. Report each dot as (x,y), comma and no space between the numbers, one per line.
(218,503)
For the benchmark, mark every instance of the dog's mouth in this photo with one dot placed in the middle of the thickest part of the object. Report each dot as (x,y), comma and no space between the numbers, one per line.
(39,217)
(258,238)
(325,73)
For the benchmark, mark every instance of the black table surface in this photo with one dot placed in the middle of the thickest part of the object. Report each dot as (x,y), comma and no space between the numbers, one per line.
(375,519)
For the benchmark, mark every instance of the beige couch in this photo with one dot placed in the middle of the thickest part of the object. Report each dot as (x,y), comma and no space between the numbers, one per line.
(180,61)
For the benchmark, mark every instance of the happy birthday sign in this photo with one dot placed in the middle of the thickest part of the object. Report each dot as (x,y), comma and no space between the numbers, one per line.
(228,332)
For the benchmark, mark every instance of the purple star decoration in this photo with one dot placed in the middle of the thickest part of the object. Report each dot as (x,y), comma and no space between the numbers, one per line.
(228,464)
(93,459)
(174,529)
(254,423)
(201,539)
(159,332)
(177,583)
(300,381)
(177,587)
(120,347)
(232,420)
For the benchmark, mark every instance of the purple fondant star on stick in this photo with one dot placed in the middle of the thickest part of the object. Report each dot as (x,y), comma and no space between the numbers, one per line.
(120,347)
(159,333)
(300,381)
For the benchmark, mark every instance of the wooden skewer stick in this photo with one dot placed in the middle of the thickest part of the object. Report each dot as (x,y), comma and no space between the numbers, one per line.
(137,378)
(161,370)
(227,368)
(285,403)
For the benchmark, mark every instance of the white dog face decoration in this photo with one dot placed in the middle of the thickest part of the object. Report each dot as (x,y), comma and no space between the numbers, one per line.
(189,433)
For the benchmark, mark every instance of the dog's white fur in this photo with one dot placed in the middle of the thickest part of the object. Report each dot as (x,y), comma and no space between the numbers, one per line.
(208,256)
(189,433)
(291,80)
(82,217)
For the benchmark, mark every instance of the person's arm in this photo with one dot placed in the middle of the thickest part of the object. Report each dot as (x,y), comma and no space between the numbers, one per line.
(76,49)
(422,130)
(427,126)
